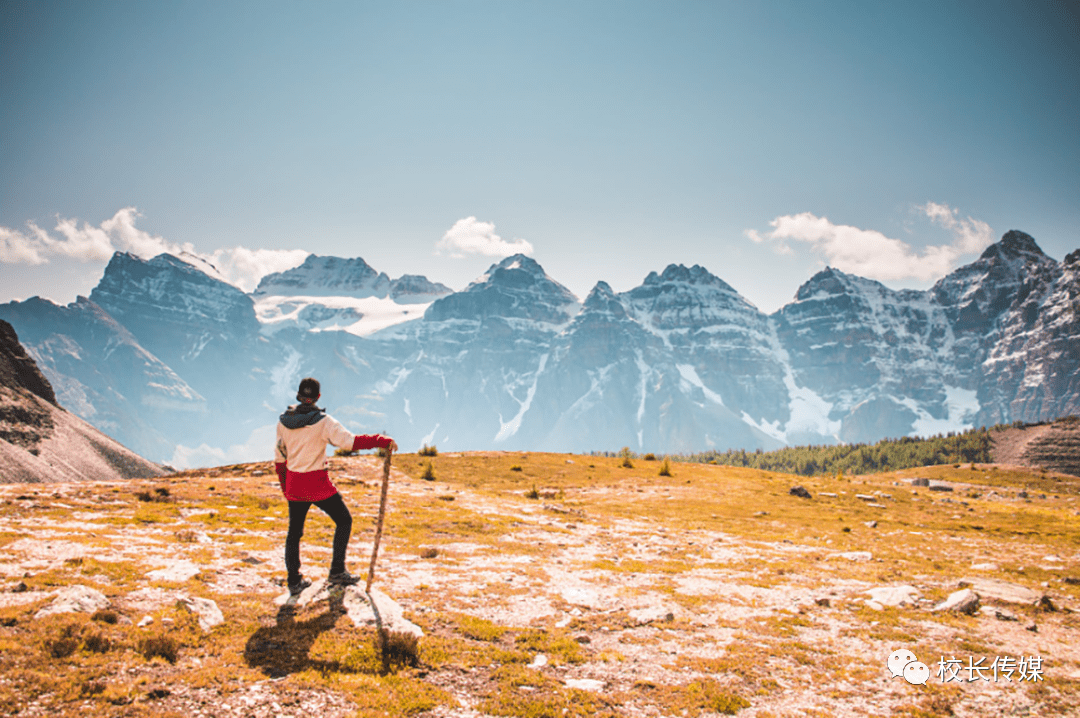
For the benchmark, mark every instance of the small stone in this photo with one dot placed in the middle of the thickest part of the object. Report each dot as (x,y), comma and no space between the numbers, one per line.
(208,612)
(799,491)
(539,662)
(583,638)
(1045,604)
(894,595)
(985,566)
(585,684)
(823,602)
(20,587)
(75,599)
(1032,627)
(870,524)
(963,601)
(828,494)
(146,621)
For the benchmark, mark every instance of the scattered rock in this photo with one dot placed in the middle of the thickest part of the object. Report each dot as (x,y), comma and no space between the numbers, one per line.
(823,602)
(963,601)
(985,566)
(998,613)
(20,587)
(583,638)
(870,524)
(585,684)
(826,493)
(856,555)
(1022,495)
(940,487)
(75,599)
(1001,590)
(866,497)
(208,612)
(875,505)
(1045,604)
(894,595)
(362,610)
(577,596)
(920,482)
(651,614)
(177,572)
(146,621)
(1032,627)
(800,492)
(539,662)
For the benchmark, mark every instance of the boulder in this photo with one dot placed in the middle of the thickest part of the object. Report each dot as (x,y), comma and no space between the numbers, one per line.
(75,599)
(652,614)
(894,595)
(1001,590)
(920,482)
(362,610)
(963,601)
(208,612)
(800,492)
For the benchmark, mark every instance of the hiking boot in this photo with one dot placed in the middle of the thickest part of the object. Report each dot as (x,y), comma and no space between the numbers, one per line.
(295,589)
(343,579)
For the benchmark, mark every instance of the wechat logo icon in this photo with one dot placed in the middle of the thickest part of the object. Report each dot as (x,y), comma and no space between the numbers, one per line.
(903,662)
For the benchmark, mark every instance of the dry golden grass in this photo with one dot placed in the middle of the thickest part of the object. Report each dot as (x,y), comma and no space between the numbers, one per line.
(735,557)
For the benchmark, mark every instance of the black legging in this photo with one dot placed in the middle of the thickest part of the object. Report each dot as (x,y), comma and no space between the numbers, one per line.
(335,508)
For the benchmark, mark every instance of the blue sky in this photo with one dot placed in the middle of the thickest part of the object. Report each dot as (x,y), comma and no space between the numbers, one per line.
(760,140)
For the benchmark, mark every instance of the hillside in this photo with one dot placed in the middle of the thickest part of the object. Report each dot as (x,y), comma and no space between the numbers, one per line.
(42,443)
(613,592)
(1052,445)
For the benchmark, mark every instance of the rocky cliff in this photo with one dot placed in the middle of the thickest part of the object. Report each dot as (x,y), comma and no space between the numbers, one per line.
(42,443)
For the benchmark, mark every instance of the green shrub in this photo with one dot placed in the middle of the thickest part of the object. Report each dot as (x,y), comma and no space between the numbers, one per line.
(665,468)
(426,450)
(429,472)
(626,455)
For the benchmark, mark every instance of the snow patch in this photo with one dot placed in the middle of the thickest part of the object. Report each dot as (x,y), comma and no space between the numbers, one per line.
(509,428)
(690,376)
(961,406)
(772,429)
(376,313)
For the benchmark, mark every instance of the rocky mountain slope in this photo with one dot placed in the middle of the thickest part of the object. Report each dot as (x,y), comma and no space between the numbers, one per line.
(516,361)
(42,443)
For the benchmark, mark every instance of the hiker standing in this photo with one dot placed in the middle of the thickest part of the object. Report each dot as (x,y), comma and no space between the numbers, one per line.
(300,459)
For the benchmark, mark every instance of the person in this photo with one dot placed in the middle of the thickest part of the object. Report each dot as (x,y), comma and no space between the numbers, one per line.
(303,432)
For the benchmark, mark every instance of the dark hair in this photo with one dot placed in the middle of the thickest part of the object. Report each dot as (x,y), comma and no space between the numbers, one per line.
(309,389)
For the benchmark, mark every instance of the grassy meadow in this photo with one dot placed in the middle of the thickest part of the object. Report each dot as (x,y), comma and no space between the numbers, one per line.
(547,585)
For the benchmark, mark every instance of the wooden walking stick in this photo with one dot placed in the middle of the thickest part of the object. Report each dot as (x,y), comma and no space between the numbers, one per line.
(382,514)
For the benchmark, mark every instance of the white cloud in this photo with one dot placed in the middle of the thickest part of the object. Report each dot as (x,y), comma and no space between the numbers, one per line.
(869,253)
(84,242)
(970,234)
(243,267)
(468,236)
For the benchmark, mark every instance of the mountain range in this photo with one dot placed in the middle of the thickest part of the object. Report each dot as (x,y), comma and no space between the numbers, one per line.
(185,368)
